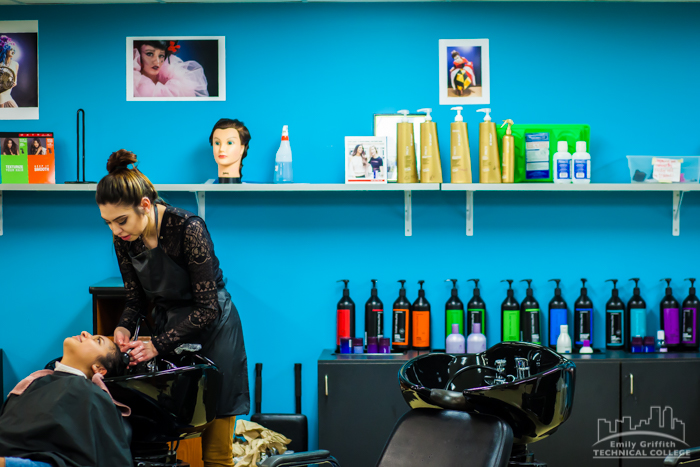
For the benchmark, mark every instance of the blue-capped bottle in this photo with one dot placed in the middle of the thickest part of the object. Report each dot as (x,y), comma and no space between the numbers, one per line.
(636,316)
(558,315)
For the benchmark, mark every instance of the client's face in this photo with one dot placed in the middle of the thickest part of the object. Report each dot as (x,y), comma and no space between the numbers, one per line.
(86,349)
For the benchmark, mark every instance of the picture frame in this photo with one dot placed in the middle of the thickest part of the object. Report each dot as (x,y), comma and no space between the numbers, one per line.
(365,159)
(197,62)
(464,75)
(385,125)
(19,70)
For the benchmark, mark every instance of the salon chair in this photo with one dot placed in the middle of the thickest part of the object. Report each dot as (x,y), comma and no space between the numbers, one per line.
(690,456)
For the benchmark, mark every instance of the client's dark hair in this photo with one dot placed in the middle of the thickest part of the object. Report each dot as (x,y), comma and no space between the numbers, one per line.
(243,134)
(113,362)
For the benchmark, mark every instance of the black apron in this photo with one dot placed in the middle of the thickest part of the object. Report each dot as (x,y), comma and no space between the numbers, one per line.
(168,286)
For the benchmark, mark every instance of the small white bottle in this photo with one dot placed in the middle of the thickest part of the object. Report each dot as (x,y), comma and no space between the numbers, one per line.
(562,163)
(476,342)
(283,160)
(586,347)
(564,341)
(455,341)
(581,164)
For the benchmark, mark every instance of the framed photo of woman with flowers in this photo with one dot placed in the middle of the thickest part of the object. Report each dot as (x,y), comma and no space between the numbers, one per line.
(175,68)
(19,70)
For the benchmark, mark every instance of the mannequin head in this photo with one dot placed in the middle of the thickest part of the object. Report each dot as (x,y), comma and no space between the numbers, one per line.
(229,140)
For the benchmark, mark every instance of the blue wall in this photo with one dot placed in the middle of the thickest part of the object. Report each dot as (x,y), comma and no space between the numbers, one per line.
(628,70)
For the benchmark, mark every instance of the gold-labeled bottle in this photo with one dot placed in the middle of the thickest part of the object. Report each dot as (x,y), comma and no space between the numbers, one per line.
(405,151)
(508,158)
(430,167)
(460,159)
(489,162)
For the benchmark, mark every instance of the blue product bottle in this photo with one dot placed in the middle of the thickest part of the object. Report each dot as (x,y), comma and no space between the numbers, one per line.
(636,315)
(558,315)
(583,318)
(614,320)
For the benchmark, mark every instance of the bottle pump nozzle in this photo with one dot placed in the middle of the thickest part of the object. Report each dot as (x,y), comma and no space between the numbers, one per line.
(405,115)
(345,281)
(427,116)
(403,283)
(458,117)
(346,291)
(421,292)
(668,283)
(614,290)
(508,122)
(529,286)
(487,117)
(402,290)
(583,287)
(557,290)
(510,285)
(692,285)
(374,286)
(476,286)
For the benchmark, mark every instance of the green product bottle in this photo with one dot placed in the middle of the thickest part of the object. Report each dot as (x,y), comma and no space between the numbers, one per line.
(476,310)
(510,316)
(454,311)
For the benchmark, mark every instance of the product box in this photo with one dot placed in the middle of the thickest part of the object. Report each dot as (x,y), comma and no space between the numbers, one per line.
(27,158)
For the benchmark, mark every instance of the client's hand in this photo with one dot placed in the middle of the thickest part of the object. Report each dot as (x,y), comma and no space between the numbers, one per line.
(121,338)
(141,351)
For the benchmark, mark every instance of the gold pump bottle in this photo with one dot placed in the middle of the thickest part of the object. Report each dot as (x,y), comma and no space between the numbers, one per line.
(405,151)
(489,162)
(460,160)
(508,159)
(430,167)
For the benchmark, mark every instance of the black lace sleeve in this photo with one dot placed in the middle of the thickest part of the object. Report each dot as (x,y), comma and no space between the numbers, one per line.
(136,301)
(198,252)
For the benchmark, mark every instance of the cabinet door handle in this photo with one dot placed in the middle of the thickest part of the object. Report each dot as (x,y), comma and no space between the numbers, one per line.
(631,384)
(326,385)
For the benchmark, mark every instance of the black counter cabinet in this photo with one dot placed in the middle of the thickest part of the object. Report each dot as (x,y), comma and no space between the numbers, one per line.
(359,401)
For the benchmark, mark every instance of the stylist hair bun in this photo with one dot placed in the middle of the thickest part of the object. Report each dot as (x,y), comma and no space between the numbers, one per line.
(120,160)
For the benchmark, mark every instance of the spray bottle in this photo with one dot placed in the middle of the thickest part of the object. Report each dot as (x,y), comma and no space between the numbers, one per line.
(558,316)
(421,321)
(689,339)
(346,316)
(614,320)
(530,316)
(636,316)
(401,322)
(454,311)
(405,151)
(430,167)
(476,309)
(283,160)
(374,315)
(460,160)
(510,316)
(489,163)
(670,318)
(583,318)
(508,159)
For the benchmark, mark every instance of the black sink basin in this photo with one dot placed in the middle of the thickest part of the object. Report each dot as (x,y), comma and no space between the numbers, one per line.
(528,386)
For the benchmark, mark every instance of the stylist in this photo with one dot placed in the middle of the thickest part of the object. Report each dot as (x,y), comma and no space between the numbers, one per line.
(166,257)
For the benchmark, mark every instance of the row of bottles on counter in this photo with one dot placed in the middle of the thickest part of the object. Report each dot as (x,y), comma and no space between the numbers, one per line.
(625,325)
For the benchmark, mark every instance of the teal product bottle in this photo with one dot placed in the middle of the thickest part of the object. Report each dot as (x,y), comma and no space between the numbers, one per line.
(510,316)
(614,320)
(530,317)
(558,315)
(583,318)
(636,316)
(689,319)
(476,309)
(454,311)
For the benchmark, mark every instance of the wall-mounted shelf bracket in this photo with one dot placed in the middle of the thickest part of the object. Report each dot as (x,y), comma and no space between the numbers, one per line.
(677,202)
(408,218)
(470,213)
(201,203)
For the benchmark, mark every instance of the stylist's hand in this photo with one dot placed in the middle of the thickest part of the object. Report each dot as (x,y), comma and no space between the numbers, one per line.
(141,351)
(121,338)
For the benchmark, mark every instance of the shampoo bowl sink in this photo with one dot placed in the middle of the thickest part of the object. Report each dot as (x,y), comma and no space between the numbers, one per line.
(528,386)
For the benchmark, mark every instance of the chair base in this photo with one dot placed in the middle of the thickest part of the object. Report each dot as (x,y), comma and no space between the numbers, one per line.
(520,456)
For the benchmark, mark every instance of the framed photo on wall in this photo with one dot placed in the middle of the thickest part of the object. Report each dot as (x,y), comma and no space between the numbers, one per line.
(19,70)
(464,72)
(175,68)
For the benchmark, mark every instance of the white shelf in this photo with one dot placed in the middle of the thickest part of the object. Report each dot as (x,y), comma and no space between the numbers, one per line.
(570,187)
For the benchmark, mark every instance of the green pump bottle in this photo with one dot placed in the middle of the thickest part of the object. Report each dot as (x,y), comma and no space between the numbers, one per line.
(454,311)
(510,315)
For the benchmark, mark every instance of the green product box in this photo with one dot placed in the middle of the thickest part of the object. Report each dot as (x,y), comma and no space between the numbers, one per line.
(557,132)
(14,169)
(23,147)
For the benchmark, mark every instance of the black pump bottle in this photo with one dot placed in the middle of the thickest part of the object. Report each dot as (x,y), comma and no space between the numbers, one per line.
(636,316)
(510,316)
(476,310)
(421,321)
(346,315)
(374,315)
(530,317)
(583,318)
(558,315)
(454,311)
(670,318)
(401,322)
(689,339)
(614,320)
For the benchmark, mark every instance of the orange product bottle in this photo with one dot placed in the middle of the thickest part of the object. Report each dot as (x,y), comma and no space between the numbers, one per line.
(421,321)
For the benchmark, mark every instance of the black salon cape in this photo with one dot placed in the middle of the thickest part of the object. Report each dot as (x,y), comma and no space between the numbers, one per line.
(64,420)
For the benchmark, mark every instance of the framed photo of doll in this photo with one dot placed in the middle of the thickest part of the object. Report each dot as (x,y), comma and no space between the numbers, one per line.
(175,68)
(19,70)
(464,72)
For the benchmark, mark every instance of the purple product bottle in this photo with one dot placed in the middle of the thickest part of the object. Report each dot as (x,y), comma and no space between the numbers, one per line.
(455,341)
(357,345)
(649,344)
(384,345)
(372,344)
(476,342)
(670,318)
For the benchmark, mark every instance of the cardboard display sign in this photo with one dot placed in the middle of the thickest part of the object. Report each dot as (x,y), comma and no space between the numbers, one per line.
(27,158)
